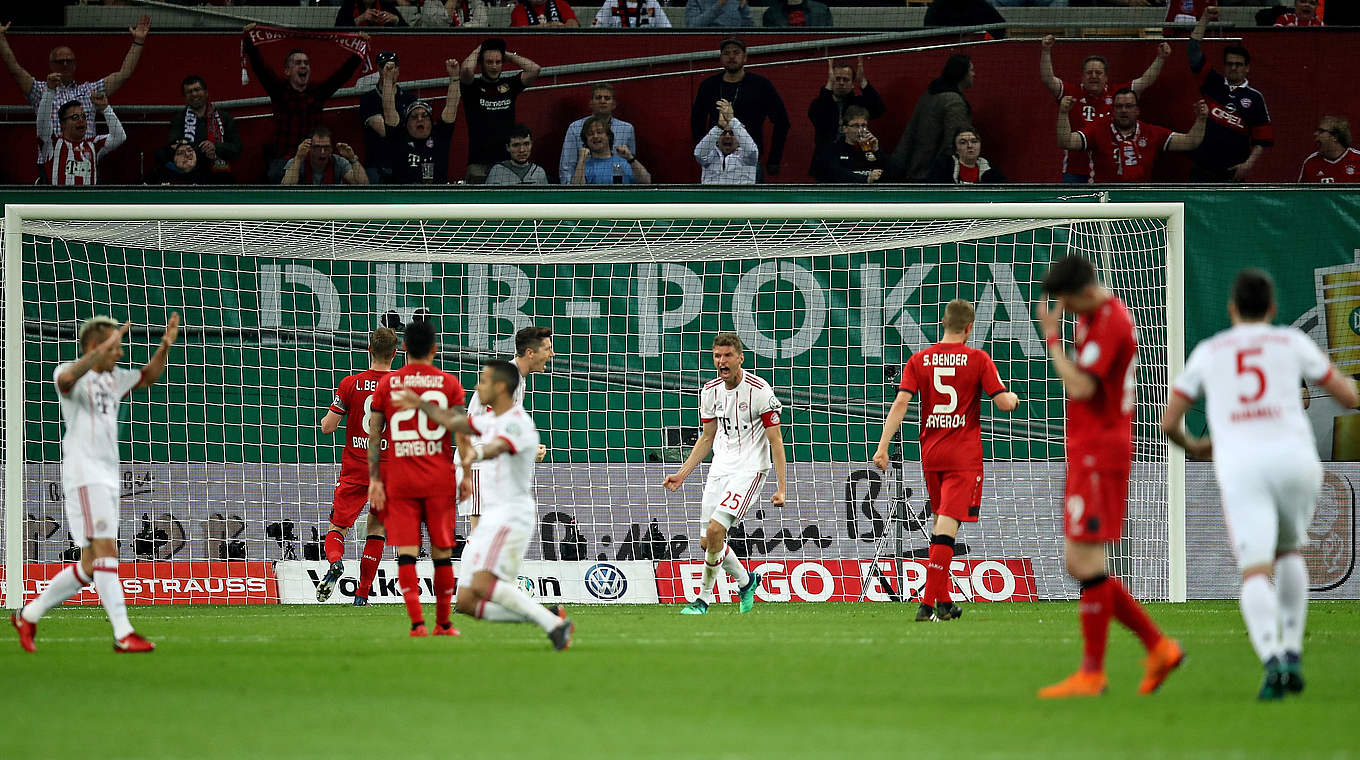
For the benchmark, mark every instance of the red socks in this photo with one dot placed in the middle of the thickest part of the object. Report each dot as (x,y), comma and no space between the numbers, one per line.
(1094,610)
(335,546)
(938,578)
(410,588)
(368,564)
(443,589)
(1129,612)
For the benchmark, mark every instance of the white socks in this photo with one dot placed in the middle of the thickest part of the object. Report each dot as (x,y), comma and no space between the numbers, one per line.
(1261,611)
(65,585)
(733,567)
(516,601)
(111,594)
(1291,584)
(712,561)
(498,614)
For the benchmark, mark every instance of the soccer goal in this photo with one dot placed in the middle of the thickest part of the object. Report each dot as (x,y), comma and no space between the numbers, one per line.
(227,479)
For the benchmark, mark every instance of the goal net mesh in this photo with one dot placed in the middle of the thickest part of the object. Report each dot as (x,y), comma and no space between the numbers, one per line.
(225,469)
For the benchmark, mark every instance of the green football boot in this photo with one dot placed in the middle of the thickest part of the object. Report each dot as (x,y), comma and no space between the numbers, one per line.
(748,593)
(696,607)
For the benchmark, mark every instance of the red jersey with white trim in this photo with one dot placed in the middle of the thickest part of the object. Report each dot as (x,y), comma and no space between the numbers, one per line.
(507,481)
(1124,158)
(1345,169)
(1087,110)
(949,379)
(742,414)
(1100,428)
(419,453)
(1290,19)
(354,400)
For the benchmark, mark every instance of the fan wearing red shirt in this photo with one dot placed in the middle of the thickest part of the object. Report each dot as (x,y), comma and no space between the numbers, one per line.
(1100,385)
(1305,14)
(949,378)
(419,468)
(352,403)
(1335,159)
(1124,149)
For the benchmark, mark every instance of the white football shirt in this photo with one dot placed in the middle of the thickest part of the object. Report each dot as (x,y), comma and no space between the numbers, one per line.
(89,450)
(1250,378)
(476,409)
(742,414)
(507,481)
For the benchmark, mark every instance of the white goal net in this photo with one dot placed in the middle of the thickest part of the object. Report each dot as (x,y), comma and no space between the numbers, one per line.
(227,479)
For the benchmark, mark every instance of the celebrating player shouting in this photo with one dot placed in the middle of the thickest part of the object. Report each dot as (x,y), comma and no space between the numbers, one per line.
(950,379)
(353,402)
(419,468)
(91,390)
(740,415)
(494,552)
(1266,461)
(1100,391)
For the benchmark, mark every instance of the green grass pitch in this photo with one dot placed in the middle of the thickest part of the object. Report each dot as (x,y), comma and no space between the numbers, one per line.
(788,681)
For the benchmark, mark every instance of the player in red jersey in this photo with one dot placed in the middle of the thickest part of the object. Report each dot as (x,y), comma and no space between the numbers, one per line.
(950,378)
(352,403)
(419,467)
(1100,385)
(1124,149)
(1335,159)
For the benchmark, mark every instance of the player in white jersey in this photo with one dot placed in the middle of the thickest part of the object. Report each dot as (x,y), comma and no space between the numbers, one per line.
(90,390)
(1265,459)
(487,587)
(740,414)
(533,351)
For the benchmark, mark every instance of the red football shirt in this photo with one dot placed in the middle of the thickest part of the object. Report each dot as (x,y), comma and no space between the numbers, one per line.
(354,400)
(1344,169)
(1087,110)
(949,379)
(1120,158)
(1100,428)
(419,452)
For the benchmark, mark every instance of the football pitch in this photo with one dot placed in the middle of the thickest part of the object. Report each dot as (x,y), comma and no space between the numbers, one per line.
(787,681)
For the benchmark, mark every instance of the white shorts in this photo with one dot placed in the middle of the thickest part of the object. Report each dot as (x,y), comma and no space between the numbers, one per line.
(92,512)
(1268,506)
(727,497)
(497,546)
(472,505)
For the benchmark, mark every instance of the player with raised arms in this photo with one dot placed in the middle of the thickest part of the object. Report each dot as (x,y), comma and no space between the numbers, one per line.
(419,468)
(533,351)
(352,403)
(91,390)
(1100,384)
(1266,462)
(491,560)
(740,415)
(950,379)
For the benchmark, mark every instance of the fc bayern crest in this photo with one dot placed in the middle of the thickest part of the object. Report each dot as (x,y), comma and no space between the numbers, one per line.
(1246,102)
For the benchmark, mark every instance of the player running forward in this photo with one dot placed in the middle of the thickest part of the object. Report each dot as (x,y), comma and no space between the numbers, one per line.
(353,401)
(533,351)
(1265,459)
(740,415)
(91,390)
(415,482)
(1100,392)
(950,378)
(487,587)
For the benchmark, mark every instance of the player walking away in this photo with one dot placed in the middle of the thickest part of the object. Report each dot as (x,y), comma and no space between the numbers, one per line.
(1100,392)
(495,551)
(91,390)
(740,414)
(950,379)
(1266,462)
(419,467)
(353,402)
(533,351)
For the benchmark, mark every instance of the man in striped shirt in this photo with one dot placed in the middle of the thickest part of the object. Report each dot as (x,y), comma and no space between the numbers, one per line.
(73,155)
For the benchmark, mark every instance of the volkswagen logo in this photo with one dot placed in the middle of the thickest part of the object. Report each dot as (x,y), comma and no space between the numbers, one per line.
(606,582)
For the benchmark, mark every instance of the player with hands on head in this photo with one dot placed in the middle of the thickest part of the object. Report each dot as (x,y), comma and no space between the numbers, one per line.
(740,415)
(1265,460)
(91,390)
(950,378)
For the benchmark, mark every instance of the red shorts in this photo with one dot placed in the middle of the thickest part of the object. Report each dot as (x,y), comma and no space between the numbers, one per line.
(1094,503)
(403,517)
(955,493)
(349,501)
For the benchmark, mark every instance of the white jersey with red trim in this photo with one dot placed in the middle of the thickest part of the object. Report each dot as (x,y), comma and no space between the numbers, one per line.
(476,410)
(89,450)
(507,481)
(742,415)
(1249,376)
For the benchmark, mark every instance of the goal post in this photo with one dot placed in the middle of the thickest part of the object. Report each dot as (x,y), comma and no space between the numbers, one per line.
(222,469)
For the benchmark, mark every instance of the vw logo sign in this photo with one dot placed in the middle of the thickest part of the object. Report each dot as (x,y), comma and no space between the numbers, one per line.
(606,582)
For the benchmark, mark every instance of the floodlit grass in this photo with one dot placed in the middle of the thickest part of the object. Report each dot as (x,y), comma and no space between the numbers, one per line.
(788,681)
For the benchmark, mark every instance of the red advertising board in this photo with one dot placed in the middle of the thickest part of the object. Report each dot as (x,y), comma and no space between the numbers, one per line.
(975,580)
(173,582)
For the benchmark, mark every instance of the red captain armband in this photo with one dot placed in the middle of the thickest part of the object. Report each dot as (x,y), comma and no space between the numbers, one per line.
(770,419)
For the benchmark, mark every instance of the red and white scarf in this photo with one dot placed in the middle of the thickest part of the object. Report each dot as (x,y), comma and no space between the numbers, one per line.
(550,13)
(262,35)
